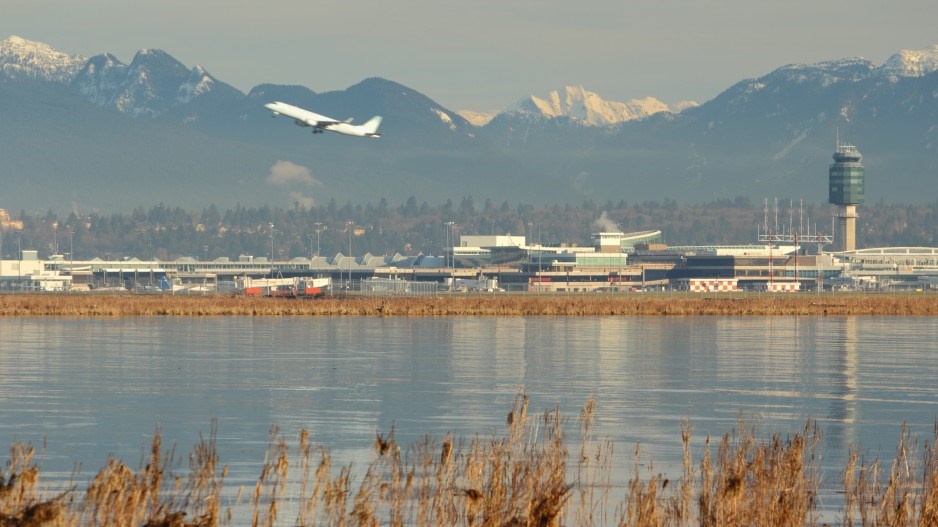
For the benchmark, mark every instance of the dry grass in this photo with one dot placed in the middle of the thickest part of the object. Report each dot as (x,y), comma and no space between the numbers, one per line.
(524,478)
(739,304)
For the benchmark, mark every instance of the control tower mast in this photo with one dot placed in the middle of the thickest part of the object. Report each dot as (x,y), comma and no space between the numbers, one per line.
(846,183)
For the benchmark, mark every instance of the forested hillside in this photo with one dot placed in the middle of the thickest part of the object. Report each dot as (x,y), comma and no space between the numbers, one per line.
(414,227)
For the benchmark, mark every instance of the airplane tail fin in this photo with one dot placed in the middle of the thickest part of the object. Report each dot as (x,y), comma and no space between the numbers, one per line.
(164,284)
(371,126)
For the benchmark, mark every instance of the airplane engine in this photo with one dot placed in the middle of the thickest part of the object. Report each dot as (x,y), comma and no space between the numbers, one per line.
(299,122)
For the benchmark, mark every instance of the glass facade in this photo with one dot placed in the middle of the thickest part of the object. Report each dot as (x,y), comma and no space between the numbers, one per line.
(601,260)
(846,177)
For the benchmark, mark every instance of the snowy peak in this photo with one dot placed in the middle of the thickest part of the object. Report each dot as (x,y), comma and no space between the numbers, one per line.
(589,108)
(100,78)
(911,63)
(477,119)
(151,85)
(27,59)
(199,82)
(158,63)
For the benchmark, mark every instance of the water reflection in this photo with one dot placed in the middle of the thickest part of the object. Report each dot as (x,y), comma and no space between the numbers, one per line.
(97,386)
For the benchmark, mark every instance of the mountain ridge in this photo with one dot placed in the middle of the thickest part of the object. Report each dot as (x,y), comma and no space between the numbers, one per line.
(113,135)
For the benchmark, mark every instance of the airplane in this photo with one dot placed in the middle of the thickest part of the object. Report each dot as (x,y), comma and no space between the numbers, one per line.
(320,123)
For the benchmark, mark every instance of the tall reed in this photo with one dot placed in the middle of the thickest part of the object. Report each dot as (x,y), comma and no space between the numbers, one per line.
(531,475)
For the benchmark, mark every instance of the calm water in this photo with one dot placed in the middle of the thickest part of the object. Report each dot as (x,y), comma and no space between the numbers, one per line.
(90,387)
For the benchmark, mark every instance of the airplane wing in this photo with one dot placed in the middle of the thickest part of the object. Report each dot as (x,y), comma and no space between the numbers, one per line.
(300,116)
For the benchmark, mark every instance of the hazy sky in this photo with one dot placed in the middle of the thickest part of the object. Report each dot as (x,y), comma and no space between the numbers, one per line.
(485,54)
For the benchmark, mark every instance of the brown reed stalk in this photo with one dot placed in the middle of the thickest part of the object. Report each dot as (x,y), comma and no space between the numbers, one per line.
(928,502)
(897,502)
(900,499)
(705,500)
(756,482)
(593,471)
(272,481)
(680,511)
(204,487)
(117,496)
(643,505)
(154,495)
(18,488)
(20,502)
(850,488)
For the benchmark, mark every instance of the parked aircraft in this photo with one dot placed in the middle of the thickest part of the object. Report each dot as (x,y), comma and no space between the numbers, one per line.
(320,123)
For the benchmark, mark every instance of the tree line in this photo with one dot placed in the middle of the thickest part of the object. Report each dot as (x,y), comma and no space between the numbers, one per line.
(166,232)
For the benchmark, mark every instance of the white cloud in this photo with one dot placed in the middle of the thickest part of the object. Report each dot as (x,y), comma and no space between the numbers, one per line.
(286,173)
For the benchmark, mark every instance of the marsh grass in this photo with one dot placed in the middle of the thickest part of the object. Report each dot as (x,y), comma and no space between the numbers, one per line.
(658,304)
(532,475)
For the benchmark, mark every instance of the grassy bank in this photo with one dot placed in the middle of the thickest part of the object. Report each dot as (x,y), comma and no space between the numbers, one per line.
(532,475)
(677,304)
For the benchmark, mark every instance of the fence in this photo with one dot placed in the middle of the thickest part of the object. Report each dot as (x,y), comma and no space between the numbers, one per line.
(387,287)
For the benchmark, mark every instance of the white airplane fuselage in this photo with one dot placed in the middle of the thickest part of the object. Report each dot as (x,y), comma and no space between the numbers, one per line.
(319,123)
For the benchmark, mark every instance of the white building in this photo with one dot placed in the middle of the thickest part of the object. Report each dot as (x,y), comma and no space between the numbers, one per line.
(30,274)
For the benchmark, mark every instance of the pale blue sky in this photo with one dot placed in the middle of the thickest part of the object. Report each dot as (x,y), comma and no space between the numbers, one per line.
(485,54)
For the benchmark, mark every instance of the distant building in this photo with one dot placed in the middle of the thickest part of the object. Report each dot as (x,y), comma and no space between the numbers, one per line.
(31,274)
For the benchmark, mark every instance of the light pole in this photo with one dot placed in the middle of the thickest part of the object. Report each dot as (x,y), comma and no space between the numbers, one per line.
(349,225)
(618,288)
(453,249)
(319,229)
(449,236)
(19,266)
(529,240)
(271,262)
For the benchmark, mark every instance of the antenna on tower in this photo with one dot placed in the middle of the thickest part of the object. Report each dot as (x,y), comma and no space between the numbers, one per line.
(801,218)
(776,215)
(765,212)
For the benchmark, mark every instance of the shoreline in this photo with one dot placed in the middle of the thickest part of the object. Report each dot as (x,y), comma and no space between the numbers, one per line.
(645,304)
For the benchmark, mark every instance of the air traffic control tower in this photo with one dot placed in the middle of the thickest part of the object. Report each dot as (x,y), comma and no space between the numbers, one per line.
(847,191)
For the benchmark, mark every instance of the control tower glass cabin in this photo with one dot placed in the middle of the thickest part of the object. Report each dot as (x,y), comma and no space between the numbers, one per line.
(846,177)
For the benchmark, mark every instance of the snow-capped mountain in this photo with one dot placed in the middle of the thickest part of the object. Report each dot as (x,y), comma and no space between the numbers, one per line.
(589,108)
(151,85)
(26,59)
(910,63)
